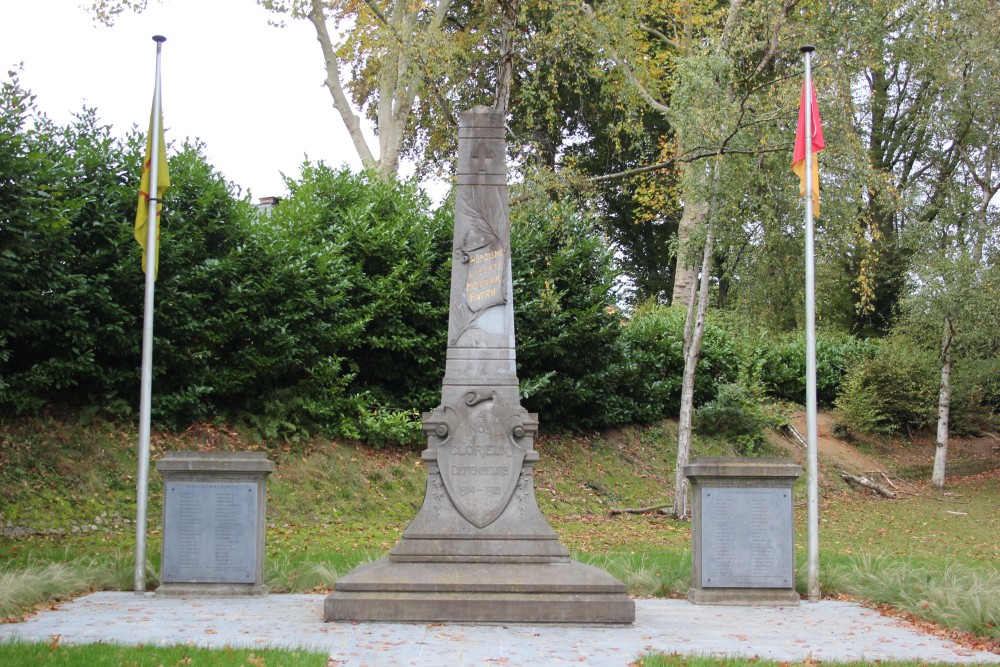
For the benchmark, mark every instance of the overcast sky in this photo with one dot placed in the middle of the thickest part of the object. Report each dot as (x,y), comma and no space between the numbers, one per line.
(251,91)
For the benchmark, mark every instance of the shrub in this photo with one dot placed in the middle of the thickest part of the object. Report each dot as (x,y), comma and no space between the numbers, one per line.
(975,393)
(776,363)
(653,364)
(894,386)
(342,307)
(384,426)
(734,414)
(567,324)
(66,328)
(302,321)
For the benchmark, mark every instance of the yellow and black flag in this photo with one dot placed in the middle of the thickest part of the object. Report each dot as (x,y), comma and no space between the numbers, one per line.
(162,183)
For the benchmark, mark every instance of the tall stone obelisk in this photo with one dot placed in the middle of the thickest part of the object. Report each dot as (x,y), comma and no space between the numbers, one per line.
(479,550)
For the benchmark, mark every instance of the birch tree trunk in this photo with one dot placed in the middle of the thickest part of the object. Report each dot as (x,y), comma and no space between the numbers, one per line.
(685,275)
(692,351)
(944,406)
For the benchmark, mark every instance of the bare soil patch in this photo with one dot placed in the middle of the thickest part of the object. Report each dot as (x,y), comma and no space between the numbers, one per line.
(834,454)
(910,457)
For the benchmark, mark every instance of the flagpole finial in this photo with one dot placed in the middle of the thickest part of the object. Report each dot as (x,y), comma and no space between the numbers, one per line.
(159,39)
(808,48)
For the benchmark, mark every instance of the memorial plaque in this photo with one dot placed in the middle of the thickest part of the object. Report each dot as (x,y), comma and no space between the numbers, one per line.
(746,541)
(210,532)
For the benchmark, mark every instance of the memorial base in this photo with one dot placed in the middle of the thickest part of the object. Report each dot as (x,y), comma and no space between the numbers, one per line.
(188,590)
(214,516)
(742,531)
(568,592)
(744,597)
(444,569)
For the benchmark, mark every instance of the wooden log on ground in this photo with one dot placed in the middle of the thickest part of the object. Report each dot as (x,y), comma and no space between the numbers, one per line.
(639,510)
(868,484)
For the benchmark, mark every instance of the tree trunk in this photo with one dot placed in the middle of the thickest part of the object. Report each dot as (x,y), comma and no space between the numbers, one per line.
(692,351)
(505,73)
(988,191)
(694,214)
(397,87)
(352,122)
(944,406)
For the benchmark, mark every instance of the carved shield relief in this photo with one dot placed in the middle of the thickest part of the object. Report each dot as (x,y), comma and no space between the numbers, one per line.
(480,461)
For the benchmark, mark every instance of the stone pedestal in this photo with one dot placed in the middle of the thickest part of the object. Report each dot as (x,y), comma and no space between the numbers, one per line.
(742,531)
(214,514)
(479,550)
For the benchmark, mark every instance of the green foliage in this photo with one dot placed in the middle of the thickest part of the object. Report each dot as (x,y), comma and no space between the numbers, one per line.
(975,401)
(382,427)
(62,199)
(952,286)
(976,384)
(335,303)
(735,415)
(380,256)
(893,387)
(653,364)
(568,326)
(70,274)
(290,325)
(330,315)
(776,363)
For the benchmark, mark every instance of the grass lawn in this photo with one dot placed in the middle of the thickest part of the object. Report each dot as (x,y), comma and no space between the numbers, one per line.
(54,654)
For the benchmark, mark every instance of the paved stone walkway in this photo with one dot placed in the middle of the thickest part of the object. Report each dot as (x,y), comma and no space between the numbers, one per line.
(826,630)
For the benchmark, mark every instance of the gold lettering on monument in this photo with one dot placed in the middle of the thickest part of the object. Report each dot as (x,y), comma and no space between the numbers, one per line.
(484,281)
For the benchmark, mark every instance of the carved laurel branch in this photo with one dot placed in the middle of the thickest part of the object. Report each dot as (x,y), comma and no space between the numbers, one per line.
(483,209)
(463,317)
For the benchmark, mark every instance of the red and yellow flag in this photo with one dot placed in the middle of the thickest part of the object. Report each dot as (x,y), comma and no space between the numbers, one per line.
(162,183)
(799,155)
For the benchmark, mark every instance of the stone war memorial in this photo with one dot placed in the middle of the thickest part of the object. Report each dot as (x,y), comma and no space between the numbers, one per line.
(743,531)
(214,516)
(479,549)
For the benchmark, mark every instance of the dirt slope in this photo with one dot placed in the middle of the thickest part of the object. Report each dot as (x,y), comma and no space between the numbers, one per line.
(910,457)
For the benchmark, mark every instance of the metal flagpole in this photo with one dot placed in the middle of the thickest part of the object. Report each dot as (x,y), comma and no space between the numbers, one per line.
(146,390)
(812,457)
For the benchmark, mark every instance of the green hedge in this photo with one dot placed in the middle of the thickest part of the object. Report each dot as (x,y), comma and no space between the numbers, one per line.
(331,315)
(775,364)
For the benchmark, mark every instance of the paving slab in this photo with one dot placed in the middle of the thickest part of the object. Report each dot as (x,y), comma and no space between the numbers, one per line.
(826,630)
